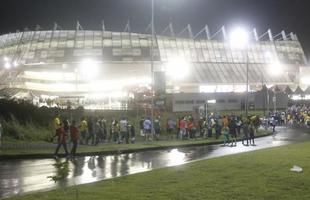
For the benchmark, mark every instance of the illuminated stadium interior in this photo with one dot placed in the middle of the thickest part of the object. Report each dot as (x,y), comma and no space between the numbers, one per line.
(88,64)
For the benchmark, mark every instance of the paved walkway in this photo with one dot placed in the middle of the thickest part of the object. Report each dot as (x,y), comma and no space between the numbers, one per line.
(24,176)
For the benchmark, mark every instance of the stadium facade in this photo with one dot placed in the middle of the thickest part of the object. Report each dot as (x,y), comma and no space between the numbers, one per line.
(86,65)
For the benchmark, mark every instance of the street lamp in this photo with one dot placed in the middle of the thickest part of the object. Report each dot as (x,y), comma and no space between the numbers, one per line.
(239,39)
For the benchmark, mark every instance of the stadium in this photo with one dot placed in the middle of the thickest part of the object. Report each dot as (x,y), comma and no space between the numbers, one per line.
(102,69)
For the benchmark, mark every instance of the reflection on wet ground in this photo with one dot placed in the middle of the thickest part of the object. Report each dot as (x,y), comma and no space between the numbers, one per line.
(23,176)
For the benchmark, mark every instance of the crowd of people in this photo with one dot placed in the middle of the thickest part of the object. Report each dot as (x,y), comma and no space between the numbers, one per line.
(92,131)
(298,115)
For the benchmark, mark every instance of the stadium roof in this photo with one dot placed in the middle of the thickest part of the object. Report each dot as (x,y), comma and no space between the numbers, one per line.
(34,60)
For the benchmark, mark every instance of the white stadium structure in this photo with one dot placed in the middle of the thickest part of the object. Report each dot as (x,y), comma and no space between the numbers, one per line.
(84,65)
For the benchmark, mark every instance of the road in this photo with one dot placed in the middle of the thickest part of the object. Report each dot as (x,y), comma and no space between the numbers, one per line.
(19,177)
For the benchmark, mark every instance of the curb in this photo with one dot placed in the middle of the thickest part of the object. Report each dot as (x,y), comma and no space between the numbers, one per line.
(114,152)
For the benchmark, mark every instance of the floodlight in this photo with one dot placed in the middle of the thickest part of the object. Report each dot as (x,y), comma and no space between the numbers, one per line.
(15,64)
(88,68)
(239,38)
(276,69)
(177,68)
(7,65)
(6,59)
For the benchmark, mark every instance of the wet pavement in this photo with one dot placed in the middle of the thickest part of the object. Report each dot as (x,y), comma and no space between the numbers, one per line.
(24,176)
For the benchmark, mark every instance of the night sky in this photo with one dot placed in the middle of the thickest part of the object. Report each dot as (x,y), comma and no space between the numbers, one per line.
(290,15)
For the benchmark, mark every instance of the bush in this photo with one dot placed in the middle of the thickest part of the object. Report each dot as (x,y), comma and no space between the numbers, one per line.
(13,129)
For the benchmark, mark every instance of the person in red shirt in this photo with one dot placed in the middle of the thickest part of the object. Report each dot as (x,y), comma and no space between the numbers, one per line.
(74,134)
(183,127)
(191,128)
(62,140)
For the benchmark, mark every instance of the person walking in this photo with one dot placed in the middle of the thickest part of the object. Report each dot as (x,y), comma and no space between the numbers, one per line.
(98,132)
(124,135)
(157,128)
(74,134)
(238,126)
(232,131)
(147,127)
(183,126)
(66,126)
(62,140)
(83,130)
(115,131)
(218,129)
(225,120)
(132,132)
(205,127)
(209,127)
(245,130)
(91,133)
(252,136)
(104,128)
(57,126)
(226,135)
(273,124)
(178,127)
(191,128)
(141,126)
(170,127)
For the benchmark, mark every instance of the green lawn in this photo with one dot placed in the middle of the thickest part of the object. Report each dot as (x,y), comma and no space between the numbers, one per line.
(119,147)
(263,174)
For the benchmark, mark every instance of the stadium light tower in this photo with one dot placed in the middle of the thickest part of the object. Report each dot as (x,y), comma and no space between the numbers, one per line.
(275,69)
(239,39)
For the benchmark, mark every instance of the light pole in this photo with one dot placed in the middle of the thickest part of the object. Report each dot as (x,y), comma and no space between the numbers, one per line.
(239,39)
(275,69)
(247,85)
(265,96)
(267,101)
(152,61)
(274,99)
